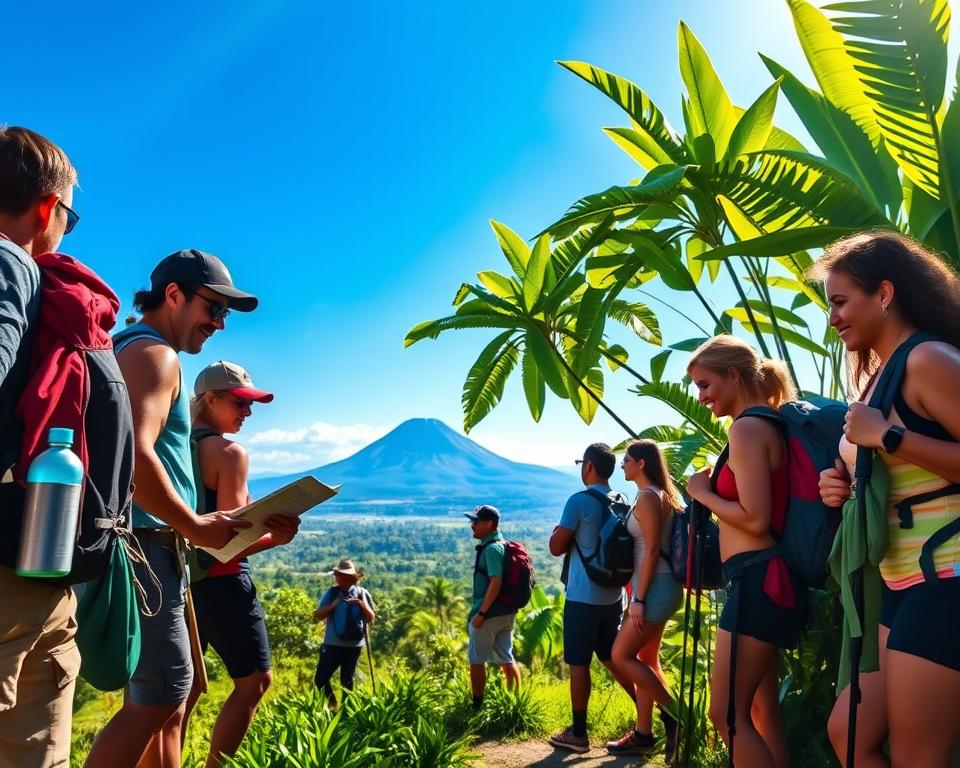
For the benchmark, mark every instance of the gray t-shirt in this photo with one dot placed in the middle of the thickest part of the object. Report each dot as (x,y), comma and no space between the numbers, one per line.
(583,515)
(330,635)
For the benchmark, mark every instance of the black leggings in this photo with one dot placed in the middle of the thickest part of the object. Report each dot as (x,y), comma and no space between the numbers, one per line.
(333,657)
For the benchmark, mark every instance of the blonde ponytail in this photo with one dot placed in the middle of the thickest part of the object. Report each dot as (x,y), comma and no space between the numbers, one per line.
(767,379)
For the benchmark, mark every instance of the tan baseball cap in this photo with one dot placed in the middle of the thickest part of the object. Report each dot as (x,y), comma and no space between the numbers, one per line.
(222,376)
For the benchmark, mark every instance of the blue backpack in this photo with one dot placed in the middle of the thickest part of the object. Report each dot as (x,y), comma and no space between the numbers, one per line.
(811,431)
(348,623)
(611,563)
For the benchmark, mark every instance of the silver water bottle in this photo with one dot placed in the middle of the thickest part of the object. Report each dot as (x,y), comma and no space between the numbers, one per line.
(54,482)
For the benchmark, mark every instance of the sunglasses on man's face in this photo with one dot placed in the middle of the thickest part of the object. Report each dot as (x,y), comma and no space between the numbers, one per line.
(72,217)
(216,310)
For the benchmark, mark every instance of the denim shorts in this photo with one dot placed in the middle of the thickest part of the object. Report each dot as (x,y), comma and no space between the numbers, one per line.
(663,599)
(165,671)
(493,642)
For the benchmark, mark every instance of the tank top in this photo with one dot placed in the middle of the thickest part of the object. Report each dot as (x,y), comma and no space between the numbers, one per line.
(777,583)
(639,543)
(231,567)
(173,443)
(900,566)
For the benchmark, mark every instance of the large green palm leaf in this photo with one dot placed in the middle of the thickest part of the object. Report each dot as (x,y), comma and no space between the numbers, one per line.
(900,52)
(781,190)
(651,141)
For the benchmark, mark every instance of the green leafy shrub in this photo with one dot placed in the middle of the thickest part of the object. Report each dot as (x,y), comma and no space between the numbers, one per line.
(509,714)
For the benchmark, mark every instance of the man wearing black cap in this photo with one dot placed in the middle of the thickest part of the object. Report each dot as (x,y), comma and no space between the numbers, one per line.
(491,636)
(190,296)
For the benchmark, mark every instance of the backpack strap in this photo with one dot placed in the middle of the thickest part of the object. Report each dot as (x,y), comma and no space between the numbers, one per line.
(939,537)
(605,500)
(891,377)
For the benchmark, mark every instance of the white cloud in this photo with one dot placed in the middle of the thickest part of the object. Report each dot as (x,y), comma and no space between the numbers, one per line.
(281,450)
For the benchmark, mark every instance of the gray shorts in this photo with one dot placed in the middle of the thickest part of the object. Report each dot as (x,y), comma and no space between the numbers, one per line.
(165,671)
(493,642)
(663,599)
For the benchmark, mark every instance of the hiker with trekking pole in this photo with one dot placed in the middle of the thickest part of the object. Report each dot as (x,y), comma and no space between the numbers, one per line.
(348,610)
(749,492)
(896,306)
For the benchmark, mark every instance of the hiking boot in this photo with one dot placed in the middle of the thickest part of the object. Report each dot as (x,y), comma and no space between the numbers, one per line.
(633,743)
(566,740)
(671,731)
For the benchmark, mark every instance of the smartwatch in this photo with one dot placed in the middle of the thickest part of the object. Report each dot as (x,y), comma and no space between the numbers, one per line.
(638,601)
(892,439)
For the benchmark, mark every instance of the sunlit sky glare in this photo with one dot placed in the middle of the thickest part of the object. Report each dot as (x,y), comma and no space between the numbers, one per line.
(344,159)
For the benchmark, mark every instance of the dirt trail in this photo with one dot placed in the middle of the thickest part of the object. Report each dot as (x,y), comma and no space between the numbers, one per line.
(539,754)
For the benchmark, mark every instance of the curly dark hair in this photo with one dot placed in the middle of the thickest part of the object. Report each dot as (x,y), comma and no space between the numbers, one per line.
(926,289)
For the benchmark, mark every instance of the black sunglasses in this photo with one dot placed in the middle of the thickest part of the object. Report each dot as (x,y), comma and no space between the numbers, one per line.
(216,310)
(72,217)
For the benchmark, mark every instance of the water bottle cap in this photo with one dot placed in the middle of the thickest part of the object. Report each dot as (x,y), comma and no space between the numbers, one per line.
(60,435)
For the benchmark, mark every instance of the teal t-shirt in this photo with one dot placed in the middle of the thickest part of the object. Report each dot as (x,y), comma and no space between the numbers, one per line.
(173,442)
(491,564)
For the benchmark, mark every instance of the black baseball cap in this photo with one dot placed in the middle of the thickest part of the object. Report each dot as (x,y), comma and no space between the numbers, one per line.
(484,512)
(199,268)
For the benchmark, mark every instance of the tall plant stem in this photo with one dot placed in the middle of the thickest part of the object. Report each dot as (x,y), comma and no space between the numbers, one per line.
(781,342)
(594,396)
(636,374)
(746,306)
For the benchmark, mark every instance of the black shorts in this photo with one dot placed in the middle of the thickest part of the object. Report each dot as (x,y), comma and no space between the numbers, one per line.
(924,621)
(757,616)
(230,619)
(589,629)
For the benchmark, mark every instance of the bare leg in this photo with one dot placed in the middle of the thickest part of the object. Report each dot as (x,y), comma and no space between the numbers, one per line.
(237,714)
(768,719)
(922,701)
(638,673)
(754,658)
(872,728)
(478,679)
(124,739)
(579,687)
(511,675)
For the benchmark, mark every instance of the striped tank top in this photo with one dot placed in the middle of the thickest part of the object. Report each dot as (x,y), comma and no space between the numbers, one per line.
(900,567)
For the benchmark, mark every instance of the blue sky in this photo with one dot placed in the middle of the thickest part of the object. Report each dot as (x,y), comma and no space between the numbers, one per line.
(343,159)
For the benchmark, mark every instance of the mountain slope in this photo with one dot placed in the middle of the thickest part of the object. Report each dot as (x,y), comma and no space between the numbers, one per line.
(424,463)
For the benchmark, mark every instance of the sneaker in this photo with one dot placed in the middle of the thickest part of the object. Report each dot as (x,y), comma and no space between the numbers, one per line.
(566,740)
(633,743)
(671,730)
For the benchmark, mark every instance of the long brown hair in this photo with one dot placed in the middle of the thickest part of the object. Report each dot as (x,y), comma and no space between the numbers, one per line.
(656,468)
(767,379)
(926,291)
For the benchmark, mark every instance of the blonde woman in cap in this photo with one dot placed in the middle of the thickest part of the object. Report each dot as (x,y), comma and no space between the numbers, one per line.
(348,610)
(229,615)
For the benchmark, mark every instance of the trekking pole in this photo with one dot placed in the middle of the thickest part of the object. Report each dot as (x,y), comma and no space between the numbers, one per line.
(366,637)
(696,533)
(862,476)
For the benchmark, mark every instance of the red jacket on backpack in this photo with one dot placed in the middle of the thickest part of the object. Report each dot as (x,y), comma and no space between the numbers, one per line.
(77,312)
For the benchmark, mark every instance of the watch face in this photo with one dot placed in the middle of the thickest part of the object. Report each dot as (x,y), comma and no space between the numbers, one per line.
(892,439)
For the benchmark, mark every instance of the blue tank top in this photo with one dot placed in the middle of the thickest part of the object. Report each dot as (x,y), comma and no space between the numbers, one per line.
(173,442)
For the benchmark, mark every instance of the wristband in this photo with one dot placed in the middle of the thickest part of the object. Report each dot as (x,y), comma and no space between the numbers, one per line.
(638,601)
(482,613)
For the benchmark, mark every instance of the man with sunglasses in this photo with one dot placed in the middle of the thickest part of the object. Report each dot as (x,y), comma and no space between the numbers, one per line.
(39,659)
(190,296)
(592,612)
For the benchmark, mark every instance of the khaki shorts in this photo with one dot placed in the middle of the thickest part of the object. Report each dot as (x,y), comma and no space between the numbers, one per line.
(493,642)
(39,662)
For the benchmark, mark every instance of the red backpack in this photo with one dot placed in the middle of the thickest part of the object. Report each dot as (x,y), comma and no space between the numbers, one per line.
(518,579)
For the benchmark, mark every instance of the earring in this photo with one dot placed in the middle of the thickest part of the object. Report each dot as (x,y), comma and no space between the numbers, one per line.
(883,310)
